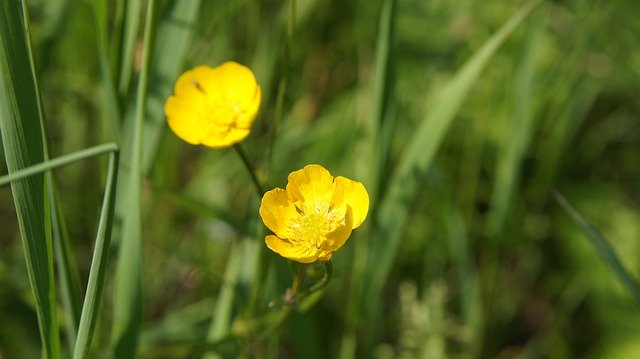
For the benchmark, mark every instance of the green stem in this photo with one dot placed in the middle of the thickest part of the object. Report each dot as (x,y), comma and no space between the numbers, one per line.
(245,160)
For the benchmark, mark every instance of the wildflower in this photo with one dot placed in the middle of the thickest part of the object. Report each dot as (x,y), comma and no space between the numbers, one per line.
(314,215)
(214,106)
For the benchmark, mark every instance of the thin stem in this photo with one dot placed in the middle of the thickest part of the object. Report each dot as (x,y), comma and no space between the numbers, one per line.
(58,162)
(249,167)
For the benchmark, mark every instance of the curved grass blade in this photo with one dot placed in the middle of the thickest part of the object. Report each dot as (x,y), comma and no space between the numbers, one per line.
(602,246)
(394,207)
(24,145)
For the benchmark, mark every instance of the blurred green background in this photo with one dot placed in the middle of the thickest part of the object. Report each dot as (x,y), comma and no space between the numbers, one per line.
(487,263)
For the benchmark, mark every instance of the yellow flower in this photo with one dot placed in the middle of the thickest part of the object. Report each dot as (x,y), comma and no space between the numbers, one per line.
(314,215)
(214,106)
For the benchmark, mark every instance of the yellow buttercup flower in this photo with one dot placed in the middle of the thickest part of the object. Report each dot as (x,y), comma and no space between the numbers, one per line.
(314,215)
(214,106)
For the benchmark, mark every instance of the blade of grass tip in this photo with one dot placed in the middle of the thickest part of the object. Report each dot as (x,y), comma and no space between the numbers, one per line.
(128,280)
(602,245)
(98,271)
(19,116)
(173,36)
(394,207)
(523,123)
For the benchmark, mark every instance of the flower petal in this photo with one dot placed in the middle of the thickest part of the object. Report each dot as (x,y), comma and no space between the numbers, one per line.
(353,194)
(239,85)
(183,120)
(337,238)
(232,136)
(311,188)
(278,212)
(288,250)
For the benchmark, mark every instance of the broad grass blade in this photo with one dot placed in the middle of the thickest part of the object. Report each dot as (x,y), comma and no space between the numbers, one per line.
(22,137)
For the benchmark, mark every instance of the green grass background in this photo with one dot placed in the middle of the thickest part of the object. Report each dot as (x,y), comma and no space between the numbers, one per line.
(461,118)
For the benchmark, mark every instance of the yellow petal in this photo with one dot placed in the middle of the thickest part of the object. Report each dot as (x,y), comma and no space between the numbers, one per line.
(199,83)
(238,83)
(288,250)
(232,136)
(311,188)
(246,115)
(183,121)
(337,238)
(353,194)
(278,212)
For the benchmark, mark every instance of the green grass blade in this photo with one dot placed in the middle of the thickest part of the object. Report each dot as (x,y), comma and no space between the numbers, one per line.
(394,207)
(131,27)
(173,35)
(57,163)
(522,125)
(470,295)
(602,246)
(219,327)
(21,126)
(68,274)
(66,266)
(380,125)
(98,271)
(111,109)
(128,296)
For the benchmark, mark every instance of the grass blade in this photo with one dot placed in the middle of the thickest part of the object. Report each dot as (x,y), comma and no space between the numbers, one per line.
(394,207)
(23,146)
(174,31)
(68,274)
(522,129)
(111,110)
(131,26)
(128,296)
(602,246)
(97,274)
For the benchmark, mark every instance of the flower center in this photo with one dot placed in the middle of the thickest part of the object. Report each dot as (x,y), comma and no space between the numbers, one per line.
(312,228)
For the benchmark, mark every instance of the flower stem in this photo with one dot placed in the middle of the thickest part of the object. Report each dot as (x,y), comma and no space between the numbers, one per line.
(245,160)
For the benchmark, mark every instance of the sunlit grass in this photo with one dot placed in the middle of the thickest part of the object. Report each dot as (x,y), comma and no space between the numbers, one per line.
(460,118)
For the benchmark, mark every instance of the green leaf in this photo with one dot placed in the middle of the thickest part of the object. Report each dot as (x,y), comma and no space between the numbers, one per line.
(22,136)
